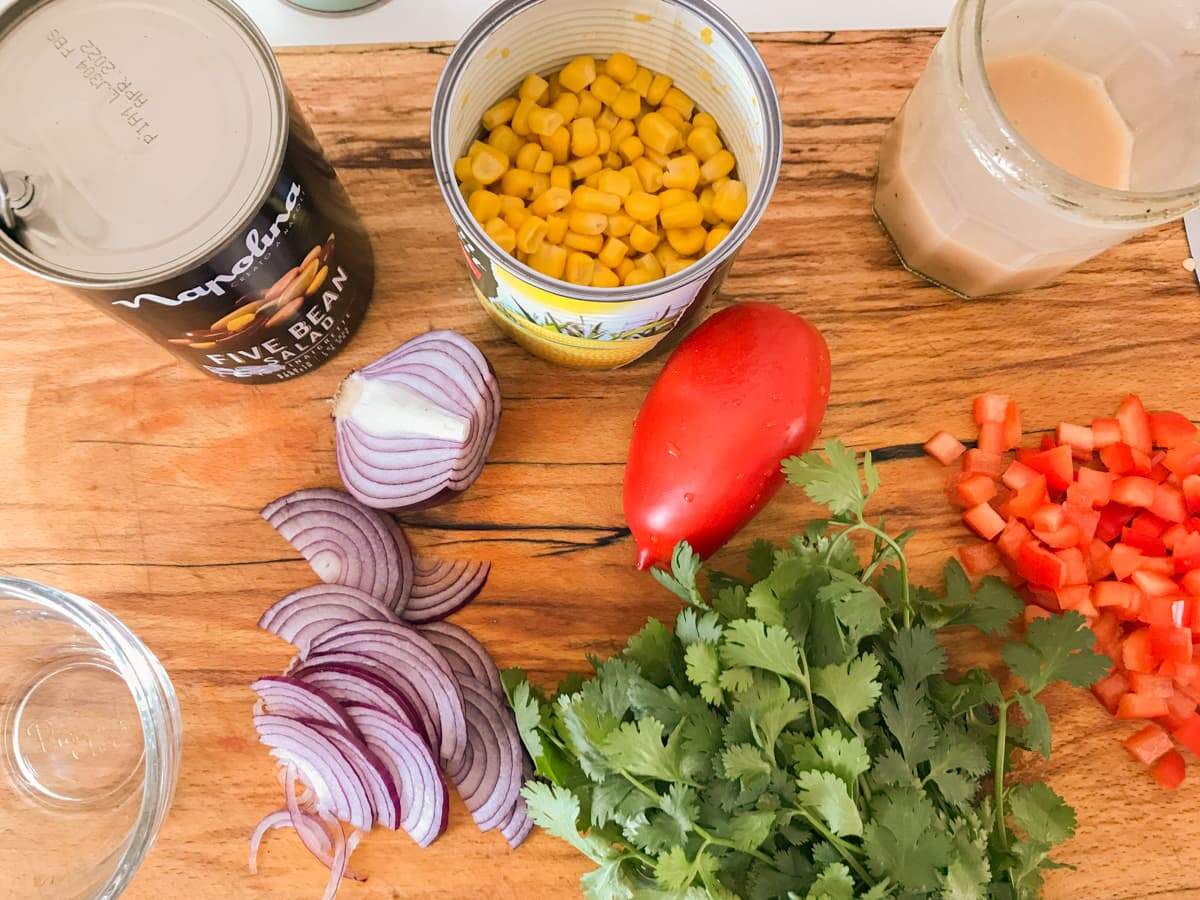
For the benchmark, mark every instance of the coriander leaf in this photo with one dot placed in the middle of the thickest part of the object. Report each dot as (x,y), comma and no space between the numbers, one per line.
(667,705)
(745,763)
(832,481)
(826,794)
(969,873)
(556,810)
(857,606)
(692,626)
(851,688)
(654,651)
(748,830)
(681,580)
(919,654)
(958,584)
(881,891)
(905,841)
(1040,813)
(956,764)
(737,680)
(608,797)
(607,882)
(1057,648)
(681,804)
(1035,735)
(831,751)
(638,748)
(704,671)
(762,559)
(526,710)
(890,768)
(591,715)
(770,647)
(993,607)
(909,718)
(779,591)
(834,883)
(730,603)
(772,719)
(790,871)
(675,871)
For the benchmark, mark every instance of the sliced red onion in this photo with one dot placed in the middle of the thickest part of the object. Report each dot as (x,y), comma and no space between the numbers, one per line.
(348,684)
(307,613)
(423,794)
(435,694)
(415,426)
(284,695)
(465,655)
(382,790)
(518,825)
(491,782)
(441,587)
(320,764)
(346,543)
(280,819)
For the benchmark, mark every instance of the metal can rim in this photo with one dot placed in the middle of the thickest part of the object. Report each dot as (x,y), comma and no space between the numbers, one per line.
(13,252)
(716,18)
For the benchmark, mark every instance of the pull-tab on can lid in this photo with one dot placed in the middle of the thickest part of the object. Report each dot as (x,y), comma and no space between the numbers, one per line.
(151,130)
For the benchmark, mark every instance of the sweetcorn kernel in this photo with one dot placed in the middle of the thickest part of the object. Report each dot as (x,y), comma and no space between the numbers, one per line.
(615,183)
(625,268)
(578,73)
(649,174)
(706,203)
(673,116)
(622,130)
(605,89)
(559,145)
(549,259)
(613,252)
(560,176)
(621,67)
(649,262)
(505,140)
(589,105)
(677,265)
(674,196)
(544,121)
(533,87)
(585,222)
(659,159)
(665,253)
(638,276)
(583,137)
(635,180)
(541,184)
(593,180)
(686,241)
(584,166)
(517,183)
(704,120)
(556,228)
(527,156)
(545,162)
(717,167)
(488,165)
(550,201)
(683,215)
(676,99)
(604,277)
(516,216)
(484,205)
(607,120)
(628,104)
(643,240)
(715,237)
(613,160)
(619,225)
(631,148)
(657,133)
(591,200)
(462,168)
(703,141)
(642,207)
(501,113)
(588,243)
(641,81)
(603,141)
(659,85)
(500,232)
(531,234)
(682,172)
(567,105)
(730,201)
(580,268)
(520,119)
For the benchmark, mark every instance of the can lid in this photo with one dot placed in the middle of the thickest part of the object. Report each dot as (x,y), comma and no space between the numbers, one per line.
(149,129)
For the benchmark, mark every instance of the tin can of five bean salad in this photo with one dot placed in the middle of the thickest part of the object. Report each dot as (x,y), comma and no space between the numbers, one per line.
(709,57)
(152,160)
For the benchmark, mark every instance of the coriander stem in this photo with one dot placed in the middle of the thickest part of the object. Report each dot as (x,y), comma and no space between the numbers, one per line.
(998,773)
(812,706)
(902,561)
(721,842)
(844,850)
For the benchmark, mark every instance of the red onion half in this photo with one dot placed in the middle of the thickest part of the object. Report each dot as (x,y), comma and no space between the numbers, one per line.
(304,615)
(465,655)
(416,426)
(346,543)
(441,587)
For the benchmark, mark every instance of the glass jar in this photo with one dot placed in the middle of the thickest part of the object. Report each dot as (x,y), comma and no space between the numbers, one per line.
(89,747)
(970,204)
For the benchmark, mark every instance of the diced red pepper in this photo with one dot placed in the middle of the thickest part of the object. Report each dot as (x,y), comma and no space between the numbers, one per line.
(1072,558)
(1151,685)
(1099,560)
(1147,523)
(1077,597)
(1136,653)
(1046,599)
(1148,745)
(991,438)
(1112,519)
(1148,544)
(1170,770)
(1117,458)
(1171,644)
(1190,582)
(1047,443)
(984,521)
(1191,493)
(1017,475)
(1183,459)
(1143,463)
(1078,437)
(1169,503)
(1056,464)
(1015,534)
(1086,520)
(1171,612)
(1124,560)
(979,461)
(972,490)
(1184,673)
(979,558)
(1097,484)
(1116,593)
(1159,565)
(1110,690)
(1106,432)
(990,408)
(1133,490)
(1048,517)
(1170,429)
(1181,705)
(1029,498)
(1135,706)
(1154,585)
(1176,536)
(1188,734)
(945,447)
(1012,426)
(1135,424)
(1040,567)
(1107,628)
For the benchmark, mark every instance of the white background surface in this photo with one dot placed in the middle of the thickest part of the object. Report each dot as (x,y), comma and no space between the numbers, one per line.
(400,21)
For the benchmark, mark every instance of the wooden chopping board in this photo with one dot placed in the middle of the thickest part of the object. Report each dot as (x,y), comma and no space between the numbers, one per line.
(136,482)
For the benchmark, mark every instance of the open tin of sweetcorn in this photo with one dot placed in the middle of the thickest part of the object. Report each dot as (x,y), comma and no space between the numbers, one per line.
(709,58)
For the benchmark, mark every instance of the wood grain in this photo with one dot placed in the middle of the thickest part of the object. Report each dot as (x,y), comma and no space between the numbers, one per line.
(136,482)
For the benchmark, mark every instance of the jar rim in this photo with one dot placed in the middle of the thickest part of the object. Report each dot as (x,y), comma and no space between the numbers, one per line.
(158,713)
(1032,171)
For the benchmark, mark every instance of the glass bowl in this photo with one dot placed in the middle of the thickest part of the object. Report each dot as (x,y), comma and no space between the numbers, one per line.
(89,746)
